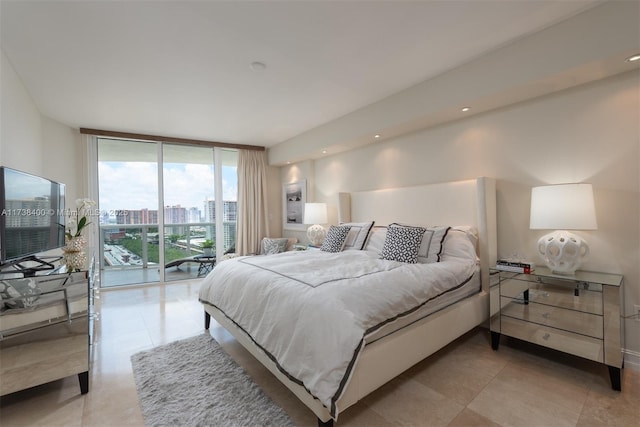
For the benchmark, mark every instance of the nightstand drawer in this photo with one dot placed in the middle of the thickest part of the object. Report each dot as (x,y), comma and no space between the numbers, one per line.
(569,320)
(588,300)
(579,345)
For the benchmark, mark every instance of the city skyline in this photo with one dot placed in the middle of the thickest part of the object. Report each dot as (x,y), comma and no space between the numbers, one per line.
(174,214)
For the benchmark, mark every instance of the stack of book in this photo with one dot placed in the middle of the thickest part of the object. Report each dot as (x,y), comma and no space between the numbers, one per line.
(515,266)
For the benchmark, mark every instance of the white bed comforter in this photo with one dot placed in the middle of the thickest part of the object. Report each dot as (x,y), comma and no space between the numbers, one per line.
(311,311)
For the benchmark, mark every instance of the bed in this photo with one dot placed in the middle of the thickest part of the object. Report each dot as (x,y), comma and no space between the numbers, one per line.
(348,321)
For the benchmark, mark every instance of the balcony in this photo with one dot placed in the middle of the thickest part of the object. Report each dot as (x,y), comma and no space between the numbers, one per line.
(130,253)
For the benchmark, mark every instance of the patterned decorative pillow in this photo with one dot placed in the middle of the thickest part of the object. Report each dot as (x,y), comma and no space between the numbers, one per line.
(19,293)
(402,244)
(274,246)
(334,242)
(430,249)
(358,234)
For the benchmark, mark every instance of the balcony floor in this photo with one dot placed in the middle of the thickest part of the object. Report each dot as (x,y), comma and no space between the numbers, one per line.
(112,277)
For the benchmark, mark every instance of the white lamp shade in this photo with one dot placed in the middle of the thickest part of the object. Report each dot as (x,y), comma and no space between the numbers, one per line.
(315,213)
(563,207)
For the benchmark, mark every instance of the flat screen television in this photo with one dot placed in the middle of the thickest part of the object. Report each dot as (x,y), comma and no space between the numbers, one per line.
(32,216)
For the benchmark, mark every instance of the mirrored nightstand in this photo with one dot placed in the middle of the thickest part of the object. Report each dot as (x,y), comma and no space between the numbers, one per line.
(579,314)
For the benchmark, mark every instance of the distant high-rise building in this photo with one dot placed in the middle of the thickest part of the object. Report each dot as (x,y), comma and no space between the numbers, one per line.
(122,217)
(194,215)
(104,219)
(210,210)
(139,216)
(229,218)
(230,211)
(175,215)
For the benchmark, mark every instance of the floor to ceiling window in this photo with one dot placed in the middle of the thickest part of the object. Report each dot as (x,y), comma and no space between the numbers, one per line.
(159,203)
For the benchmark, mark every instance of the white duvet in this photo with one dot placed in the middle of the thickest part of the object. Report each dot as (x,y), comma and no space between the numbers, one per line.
(312,311)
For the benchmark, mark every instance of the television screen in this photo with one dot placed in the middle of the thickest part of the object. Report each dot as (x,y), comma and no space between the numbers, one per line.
(32,214)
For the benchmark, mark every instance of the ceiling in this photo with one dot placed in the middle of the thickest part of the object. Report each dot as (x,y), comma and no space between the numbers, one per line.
(183,69)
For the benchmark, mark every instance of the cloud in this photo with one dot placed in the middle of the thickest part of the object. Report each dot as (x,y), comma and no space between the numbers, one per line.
(133,185)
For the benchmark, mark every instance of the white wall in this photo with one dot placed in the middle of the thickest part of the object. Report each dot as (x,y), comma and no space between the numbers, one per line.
(586,134)
(66,159)
(36,144)
(21,127)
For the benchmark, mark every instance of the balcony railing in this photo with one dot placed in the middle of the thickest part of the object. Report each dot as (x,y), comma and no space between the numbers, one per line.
(137,246)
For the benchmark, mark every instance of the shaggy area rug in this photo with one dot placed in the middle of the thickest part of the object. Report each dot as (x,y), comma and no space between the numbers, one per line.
(193,382)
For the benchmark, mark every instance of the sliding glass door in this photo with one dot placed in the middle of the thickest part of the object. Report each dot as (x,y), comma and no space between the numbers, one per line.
(189,181)
(159,204)
(128,201)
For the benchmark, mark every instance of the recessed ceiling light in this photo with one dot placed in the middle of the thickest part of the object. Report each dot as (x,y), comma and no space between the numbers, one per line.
(376,136)
(257,66)
(633,58)
(465,109)
(324,151)
(288,163)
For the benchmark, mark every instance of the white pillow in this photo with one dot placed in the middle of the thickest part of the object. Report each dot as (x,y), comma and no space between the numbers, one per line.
(358,234)
(460,243)
(376,239)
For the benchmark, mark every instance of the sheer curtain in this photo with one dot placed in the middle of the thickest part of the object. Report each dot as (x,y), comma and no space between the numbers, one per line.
(253,222)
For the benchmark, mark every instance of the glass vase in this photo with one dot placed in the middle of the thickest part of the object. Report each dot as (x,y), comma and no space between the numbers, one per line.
(73,254)
(77,243)
(74,260)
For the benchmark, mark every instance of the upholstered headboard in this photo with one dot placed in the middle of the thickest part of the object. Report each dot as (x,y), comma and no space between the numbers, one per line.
(470,202)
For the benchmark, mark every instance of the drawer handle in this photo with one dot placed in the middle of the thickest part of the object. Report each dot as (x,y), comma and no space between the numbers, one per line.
(546,315)
(546,337)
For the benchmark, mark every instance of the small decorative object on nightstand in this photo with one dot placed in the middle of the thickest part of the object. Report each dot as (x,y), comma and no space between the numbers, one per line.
(580,315)
(316,214)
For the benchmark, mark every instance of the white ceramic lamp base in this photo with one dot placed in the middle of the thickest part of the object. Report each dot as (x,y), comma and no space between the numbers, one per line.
(562,251)
(316,234)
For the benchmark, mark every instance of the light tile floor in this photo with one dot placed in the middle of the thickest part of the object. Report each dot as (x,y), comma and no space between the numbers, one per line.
(465,384)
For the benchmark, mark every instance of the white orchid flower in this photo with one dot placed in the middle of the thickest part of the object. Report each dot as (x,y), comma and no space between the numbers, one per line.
(77,222)
(85,203)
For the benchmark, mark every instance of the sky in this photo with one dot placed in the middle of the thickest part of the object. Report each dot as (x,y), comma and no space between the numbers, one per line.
(132,185)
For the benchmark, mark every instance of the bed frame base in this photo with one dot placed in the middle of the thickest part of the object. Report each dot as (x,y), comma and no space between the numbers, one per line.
(406,347)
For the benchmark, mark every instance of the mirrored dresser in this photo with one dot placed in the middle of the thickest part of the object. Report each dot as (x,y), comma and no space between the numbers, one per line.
(579,314)
(45,328)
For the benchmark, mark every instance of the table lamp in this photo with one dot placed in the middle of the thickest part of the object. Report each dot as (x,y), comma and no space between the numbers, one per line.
(563,207)
(316,214)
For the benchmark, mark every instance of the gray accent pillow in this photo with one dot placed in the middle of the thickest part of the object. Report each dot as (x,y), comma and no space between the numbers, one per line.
(334,242)
(274,246)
